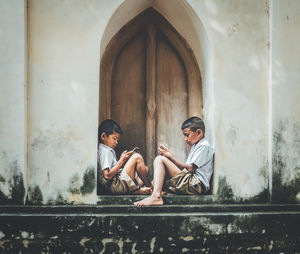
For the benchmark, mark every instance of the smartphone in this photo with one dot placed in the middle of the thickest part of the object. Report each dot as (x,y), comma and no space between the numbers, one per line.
(134,149)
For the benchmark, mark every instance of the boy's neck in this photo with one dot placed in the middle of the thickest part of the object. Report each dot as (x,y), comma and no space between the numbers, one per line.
(199,140)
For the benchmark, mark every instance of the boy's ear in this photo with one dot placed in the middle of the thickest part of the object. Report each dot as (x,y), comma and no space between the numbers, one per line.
(103,135)
(200,132)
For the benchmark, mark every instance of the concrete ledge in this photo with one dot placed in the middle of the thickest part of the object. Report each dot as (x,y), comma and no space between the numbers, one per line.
(171,228)
(168,199)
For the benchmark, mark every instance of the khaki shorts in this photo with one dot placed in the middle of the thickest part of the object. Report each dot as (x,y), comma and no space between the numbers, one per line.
(122,184)
(185,183)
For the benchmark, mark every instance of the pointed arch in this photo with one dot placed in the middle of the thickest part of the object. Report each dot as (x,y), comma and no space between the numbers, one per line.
(154,116)
(126,33)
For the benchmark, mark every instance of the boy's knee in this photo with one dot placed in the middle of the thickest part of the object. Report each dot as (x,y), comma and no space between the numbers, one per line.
(159,158)
(137,157)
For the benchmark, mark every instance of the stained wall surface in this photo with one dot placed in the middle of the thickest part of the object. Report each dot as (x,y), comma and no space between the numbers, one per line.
(250,87)
(238,34)
(285,69)
(13,101)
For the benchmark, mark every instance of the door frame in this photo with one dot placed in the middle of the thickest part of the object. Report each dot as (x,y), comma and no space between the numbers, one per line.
(151,21)
(126,33)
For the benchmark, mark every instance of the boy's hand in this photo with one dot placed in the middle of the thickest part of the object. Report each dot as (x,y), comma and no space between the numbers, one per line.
(126,155)
(162,150)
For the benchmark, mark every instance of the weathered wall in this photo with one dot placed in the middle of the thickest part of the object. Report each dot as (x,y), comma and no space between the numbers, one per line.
(232,92)
(238,33)
(252,114)
(64,48)
(285,67)
(12,97)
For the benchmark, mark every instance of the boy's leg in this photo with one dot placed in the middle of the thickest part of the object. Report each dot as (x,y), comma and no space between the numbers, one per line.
(139,180)
(161,166)
(136,164)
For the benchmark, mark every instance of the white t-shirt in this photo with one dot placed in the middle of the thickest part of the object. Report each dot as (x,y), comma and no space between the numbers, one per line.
(202,155)
(107,157)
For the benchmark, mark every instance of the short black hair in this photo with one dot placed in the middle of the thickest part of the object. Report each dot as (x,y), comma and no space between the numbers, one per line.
(109,126)
(193,123)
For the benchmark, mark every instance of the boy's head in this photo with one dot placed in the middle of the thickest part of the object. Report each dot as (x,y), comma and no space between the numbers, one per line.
(193,130)
(109,133)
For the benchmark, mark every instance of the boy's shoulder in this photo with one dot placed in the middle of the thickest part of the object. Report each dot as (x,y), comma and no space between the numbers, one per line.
(104,148)
(204,144)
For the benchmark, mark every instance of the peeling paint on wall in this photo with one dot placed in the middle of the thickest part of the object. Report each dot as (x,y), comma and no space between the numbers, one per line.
(89,181)
(34,196)
(15,186)
(74,187)
(286,161)
(225,192)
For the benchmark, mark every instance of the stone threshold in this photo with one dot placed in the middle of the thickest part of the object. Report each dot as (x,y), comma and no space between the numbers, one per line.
(166,210)
(169,199)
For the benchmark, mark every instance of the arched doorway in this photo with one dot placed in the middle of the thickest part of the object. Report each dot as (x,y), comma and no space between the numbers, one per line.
(150,83)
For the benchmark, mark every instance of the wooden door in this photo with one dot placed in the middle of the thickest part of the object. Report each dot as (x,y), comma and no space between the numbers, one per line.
(171,97)
(150,83)
(128,95)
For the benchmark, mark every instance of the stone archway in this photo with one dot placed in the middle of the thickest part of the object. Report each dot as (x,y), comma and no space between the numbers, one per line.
(149,83)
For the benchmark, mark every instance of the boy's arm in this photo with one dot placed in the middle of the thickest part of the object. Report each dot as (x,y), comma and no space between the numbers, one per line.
(190,167)
(165,152)
(109,173)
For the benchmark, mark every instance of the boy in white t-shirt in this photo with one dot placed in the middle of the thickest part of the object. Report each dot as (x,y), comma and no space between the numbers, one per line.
(126,175)
(191,177)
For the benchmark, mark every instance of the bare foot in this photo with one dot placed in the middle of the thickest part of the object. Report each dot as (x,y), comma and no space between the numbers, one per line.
(143,191)
(150,201)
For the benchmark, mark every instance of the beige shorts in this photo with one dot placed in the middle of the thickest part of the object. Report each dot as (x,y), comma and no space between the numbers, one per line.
(184,183)
(122,184)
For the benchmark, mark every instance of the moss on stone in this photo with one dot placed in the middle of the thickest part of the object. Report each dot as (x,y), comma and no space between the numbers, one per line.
(74,186)
(59,199)
(89,181)
(15,186)
(2,180)
(225,192)
(35,196)
(284,193)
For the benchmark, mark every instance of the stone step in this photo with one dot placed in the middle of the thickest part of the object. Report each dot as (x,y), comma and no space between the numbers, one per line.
(164,210)
(169,199)
(171,228)
(210,228)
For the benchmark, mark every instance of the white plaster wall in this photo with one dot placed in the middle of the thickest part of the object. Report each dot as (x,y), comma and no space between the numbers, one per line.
(238,33)
(286,89)
(230,42)
(64,57)
(64,77)
(12,96)
(64,42)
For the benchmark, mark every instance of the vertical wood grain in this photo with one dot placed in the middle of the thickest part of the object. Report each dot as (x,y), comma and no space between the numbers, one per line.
(128,95)
(150,96)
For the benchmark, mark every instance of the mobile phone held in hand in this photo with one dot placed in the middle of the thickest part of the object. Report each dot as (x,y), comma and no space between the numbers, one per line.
(134,149)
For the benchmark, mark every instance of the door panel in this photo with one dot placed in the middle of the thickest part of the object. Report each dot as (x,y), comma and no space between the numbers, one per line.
(128,95)
(150,83)
(171,98)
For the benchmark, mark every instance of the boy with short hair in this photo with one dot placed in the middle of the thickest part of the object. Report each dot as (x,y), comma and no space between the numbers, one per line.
(191,177)
(119,176)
